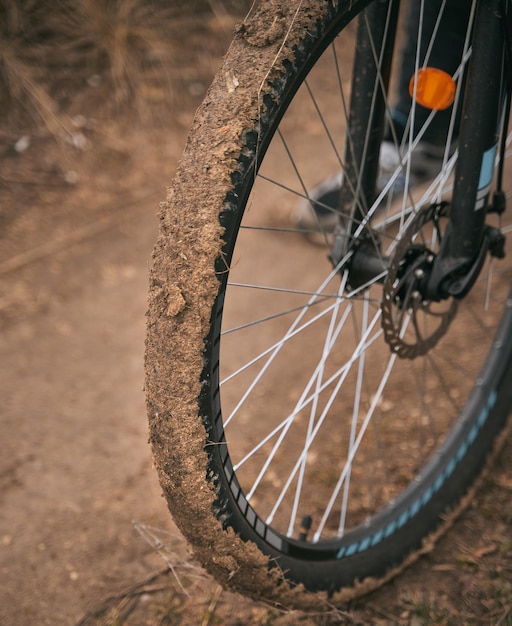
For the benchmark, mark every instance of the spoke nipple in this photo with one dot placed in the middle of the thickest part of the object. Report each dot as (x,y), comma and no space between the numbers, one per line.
(305,527)
(419,273)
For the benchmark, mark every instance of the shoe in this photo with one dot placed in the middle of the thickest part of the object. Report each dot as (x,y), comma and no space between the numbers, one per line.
(318,212)
(426,163)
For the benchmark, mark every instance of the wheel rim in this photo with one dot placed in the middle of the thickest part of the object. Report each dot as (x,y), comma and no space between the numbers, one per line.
(321,420)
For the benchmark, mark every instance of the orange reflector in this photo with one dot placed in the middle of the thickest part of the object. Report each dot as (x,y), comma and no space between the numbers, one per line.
(435,89)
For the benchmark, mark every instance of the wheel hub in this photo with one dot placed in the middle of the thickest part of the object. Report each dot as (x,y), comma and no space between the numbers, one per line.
(412,323)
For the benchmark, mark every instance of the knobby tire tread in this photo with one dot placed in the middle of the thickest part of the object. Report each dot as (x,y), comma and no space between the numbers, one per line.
(188,271)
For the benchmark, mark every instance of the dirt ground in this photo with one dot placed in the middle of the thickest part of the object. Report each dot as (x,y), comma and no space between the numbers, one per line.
(85,537)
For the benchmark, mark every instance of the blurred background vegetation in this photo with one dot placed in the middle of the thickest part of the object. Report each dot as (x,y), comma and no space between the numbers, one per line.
(96,98)
(135,55)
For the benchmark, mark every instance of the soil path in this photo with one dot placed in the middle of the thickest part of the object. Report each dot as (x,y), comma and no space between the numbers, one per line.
(75,467)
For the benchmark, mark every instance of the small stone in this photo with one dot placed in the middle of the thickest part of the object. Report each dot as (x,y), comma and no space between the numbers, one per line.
(22,144)
(71,177)
(232,81)
(94,80)
(79,121)
(176,301)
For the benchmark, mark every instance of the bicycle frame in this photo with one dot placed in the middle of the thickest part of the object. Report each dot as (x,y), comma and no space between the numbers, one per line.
(467,239)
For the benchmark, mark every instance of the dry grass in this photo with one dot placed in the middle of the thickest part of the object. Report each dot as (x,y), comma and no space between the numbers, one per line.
(49,52)
(467,579)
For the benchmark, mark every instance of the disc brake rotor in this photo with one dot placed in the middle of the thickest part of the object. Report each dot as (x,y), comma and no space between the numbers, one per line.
(412,324)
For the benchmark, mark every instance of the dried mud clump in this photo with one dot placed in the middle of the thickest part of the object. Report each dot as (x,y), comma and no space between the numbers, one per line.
(265,26)
(183,287)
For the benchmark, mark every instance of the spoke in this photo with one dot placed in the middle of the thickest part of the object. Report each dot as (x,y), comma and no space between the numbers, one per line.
(355,418)
(303,401)
(441,378)
(440,180)
(322,297)
(297,173)
(412,113)
(379,87)
(434,33)
(355,447)
(343,371)
(291,334)
(296,170)
(292,331)
(411,211)
(341,391)
(278,229)
(300,292)
(328,345)
(341,375)
(324,125)
(273,349)
(269,318)
(276,348)
(301,196)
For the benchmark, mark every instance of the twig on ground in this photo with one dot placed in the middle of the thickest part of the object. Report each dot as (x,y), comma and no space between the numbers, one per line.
(211,608)
(129,594)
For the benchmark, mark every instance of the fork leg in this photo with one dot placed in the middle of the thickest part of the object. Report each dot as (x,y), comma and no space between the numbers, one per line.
(461,248)
(370,78)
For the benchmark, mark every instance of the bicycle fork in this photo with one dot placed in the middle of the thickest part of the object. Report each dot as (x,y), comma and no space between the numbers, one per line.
(467,239)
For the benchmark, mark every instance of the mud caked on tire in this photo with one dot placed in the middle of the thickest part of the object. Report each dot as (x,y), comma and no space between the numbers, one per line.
(295,449)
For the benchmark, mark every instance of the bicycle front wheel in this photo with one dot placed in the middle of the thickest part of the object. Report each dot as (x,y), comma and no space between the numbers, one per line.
(310,403)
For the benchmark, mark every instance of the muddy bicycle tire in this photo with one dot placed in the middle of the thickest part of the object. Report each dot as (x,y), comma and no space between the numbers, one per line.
(262,523)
